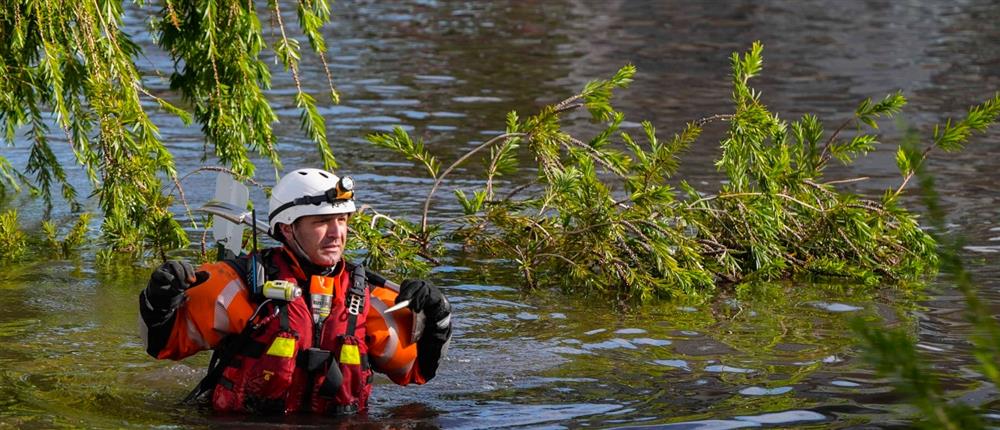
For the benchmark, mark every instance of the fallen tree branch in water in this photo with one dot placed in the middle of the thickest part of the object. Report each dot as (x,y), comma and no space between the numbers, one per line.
(606,215)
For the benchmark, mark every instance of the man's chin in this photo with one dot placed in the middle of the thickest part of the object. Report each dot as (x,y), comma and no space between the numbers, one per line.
(328,260)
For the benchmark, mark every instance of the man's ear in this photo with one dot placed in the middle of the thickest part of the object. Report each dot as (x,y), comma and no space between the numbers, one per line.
(286,230)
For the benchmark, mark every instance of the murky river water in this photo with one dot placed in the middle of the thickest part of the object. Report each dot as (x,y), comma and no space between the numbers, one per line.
(448,72)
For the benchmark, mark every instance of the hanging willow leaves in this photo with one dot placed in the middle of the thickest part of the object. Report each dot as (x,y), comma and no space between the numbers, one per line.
(68,65)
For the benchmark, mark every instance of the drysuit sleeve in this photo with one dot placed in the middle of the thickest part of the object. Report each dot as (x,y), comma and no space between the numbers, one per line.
(390,345)
(198,321)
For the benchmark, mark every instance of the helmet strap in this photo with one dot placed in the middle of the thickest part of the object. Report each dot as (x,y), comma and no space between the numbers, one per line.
(294,242)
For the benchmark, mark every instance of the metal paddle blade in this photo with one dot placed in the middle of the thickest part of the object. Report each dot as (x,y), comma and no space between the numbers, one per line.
(228,190)
(397,306)
(232,214)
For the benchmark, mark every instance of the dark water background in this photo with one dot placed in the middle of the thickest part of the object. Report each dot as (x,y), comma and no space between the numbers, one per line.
(448,72)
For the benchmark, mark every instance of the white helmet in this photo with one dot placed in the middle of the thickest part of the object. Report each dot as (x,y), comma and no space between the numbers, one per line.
(307,192)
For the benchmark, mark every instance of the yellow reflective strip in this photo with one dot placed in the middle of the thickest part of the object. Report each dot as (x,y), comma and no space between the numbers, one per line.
(349,354)
(282,347)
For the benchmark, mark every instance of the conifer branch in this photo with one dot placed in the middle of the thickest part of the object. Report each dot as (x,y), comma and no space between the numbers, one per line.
(437,182)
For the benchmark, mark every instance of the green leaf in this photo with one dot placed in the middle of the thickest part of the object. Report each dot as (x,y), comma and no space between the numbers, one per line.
(903,162)
(952,136)
(888,106)
(399,141)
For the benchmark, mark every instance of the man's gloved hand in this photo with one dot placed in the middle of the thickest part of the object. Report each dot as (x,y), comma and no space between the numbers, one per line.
(427,299)
(427,302)
(170,280)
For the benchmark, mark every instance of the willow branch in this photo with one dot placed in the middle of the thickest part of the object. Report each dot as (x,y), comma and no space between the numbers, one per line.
(491,172)
(596,155)
(187,208)
(437,182)
(906,180)
(784,196)
(213,169)
(713,118)
(847,181)
(822,155)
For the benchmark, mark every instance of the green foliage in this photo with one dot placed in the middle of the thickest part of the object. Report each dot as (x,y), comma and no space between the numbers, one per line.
(471,206)
(607,217)
(400,142)
(13,242)
(386,245)
(74,59)
(890,105)
(73,240)
(70,64)
(952,136)
(894,352)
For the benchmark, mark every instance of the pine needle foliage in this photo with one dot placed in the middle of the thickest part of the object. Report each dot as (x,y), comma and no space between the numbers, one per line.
(607,216)
(894,352)
(387,245)
(68,65)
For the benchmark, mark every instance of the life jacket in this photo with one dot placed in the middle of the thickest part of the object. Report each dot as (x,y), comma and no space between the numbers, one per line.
(280,364)
(222,314)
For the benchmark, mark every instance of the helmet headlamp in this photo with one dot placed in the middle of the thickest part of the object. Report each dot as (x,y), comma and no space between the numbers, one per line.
(342,192)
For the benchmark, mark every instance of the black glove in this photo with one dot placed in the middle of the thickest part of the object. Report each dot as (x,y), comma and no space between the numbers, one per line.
(425,298)
(168,282)
(160,299)
(427,302)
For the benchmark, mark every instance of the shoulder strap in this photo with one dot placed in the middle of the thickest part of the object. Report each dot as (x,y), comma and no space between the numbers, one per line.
(355,298)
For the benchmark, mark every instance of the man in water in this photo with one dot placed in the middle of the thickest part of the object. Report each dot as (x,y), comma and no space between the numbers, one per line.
(296,328)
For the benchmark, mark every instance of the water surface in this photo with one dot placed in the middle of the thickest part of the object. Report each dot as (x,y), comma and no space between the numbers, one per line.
(448,72)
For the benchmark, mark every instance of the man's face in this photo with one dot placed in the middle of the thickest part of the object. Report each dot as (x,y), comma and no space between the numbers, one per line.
(322,237)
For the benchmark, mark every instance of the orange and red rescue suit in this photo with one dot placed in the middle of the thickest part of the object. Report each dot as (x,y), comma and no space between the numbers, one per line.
(271,356)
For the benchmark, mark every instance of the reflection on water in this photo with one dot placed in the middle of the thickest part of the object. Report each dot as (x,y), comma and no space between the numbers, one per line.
(448,72)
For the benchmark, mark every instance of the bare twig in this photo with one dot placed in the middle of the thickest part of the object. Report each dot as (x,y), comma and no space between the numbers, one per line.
(645,240)
(782,195)
(713,118)
(571,262)
(822,155)
(514,192)
(180,189)
(843,235)
(491,171)
(596,155)
(565,103)
(846,181)
(869,206)
(213,169)
(567,108)
(293,65)
(437,182)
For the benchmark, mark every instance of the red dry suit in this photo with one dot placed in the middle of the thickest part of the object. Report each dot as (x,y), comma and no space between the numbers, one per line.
(269,357)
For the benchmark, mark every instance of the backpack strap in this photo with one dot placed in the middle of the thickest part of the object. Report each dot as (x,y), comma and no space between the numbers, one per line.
(355,297)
